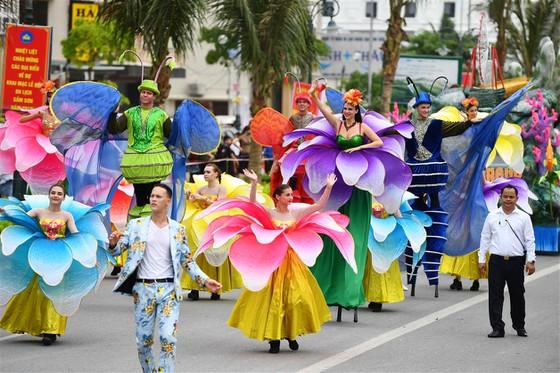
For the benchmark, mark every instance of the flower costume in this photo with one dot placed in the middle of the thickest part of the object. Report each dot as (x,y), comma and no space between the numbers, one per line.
(214,263)
(44,273)
(26,148)
(388,238)
(282,300)
(380,172)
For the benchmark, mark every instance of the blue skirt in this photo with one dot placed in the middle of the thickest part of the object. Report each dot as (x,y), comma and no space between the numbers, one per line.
(429,176)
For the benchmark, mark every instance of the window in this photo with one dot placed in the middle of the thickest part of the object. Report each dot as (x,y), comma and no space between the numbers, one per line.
(410,10)
(371,9)
(449,9)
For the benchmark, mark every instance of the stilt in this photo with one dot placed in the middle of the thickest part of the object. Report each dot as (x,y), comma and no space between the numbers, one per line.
(339,314)
(436,293)
(356,314)
(413,289)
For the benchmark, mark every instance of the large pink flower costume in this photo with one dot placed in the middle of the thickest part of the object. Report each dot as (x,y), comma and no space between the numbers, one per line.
(283,300)
(26,148)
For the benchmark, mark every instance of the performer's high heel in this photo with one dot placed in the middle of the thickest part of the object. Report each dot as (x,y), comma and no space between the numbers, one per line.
(274,346)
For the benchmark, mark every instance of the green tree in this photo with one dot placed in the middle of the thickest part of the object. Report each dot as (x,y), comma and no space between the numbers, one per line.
(499,12)
(91,42)
(530,21)
(159,23)
(272,37)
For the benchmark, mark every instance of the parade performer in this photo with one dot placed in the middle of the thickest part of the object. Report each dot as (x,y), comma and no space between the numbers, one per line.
(157,254)
(388,239)
(269,126)
(25,146)
(366,156)
(272,249)
(52,256)
(199,199)
(510,148)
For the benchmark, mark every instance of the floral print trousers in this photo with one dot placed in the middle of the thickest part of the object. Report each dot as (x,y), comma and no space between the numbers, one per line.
(156,301)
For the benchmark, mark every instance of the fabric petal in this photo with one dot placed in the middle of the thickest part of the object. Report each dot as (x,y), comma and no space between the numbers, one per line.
(83,247)
(92,223)
(15,273)
(16,215)
(265,236)
(372,179)
(28,153)
(491,198)
(382,227)
(45,173)
(414,231)
(340,193)
(383,253)
(306,243)
(318,167)
(16,133)
(293,160)
(13,237)
(397,180)
(256,262)
(45,143)
(7,161)
(351,166)
(67,295)
(50,259)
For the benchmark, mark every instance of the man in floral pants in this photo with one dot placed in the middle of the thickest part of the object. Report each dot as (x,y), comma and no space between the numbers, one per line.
(157,252)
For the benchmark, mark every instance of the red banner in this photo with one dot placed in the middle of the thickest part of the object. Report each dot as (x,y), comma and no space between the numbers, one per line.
(26,66)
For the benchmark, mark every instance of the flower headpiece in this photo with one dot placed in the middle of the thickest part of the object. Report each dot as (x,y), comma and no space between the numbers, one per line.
(47,86)
(470,101)
(353,97)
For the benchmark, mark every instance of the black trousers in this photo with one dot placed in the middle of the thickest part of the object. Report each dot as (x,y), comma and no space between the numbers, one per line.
(502,271)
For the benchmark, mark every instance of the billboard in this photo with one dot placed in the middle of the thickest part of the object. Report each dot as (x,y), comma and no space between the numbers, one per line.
(84,11)
(26,66)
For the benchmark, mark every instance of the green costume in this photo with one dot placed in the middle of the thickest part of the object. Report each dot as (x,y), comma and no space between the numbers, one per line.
(340,285)
(146,159)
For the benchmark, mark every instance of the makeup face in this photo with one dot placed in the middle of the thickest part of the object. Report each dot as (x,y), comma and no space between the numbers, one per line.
(472,112)
(147,97)
(56,195)
(285,198)
(348,111)
(423,111)
(210,174)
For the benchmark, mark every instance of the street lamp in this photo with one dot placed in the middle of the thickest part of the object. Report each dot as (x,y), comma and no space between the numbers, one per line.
(327,8)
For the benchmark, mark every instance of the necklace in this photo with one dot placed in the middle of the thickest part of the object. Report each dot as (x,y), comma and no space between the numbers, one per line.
(348,127)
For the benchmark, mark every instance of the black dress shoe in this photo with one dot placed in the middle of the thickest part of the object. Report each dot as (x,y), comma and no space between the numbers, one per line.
(375,307)
(496,334)
(274,347)
(453,286)
(294,346)
(193,295)
(215,296)
(475,286)
(521,332)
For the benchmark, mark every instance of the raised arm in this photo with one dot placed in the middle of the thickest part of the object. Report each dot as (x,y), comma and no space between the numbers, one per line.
(327,113)
(28,117)
(251,175)
(322,202)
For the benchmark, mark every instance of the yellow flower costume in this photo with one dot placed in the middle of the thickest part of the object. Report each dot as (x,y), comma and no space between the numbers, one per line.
(509,147)
(214,262)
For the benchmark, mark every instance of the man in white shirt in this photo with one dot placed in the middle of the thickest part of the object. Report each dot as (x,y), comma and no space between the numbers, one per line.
(157,253)
(508,236)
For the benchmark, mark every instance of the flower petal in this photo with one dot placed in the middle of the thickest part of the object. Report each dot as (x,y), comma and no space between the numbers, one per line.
(306,243)
(318,167)
(16,133)
(28,153)
(15,273)
(66,296)
(385,252)
(293,160)
(83,247)
(351,166)
(265,236)
(373,179)
(382,227)
(414,231)
(256,262)
(340,193)
(50,259)
(7,161)
(45,143)
(397,179)
(92,223)
(18,216)
(13,237)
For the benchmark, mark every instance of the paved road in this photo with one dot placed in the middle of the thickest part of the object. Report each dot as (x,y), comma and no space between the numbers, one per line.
(418,335)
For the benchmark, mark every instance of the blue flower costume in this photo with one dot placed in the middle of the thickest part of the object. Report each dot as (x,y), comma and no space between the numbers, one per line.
(45,273)
(389,236)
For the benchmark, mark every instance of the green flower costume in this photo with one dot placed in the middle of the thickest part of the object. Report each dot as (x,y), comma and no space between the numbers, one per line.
(146,159)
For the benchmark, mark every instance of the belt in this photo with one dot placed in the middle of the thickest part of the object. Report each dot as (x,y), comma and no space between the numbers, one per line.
(156,280)
(508,257)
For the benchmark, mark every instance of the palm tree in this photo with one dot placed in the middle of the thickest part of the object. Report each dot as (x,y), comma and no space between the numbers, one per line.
(272,36)
(529,23)
(158,23)
(499,12)
(392,49)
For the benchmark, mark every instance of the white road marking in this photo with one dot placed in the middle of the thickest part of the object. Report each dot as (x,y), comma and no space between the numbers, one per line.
(372,343)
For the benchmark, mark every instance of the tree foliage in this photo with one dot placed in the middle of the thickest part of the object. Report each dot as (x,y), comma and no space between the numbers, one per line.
(359,81)
(91,42)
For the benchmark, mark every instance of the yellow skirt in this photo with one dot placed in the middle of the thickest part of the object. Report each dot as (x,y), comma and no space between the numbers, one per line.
(465,266)
(226,274)
(292,304)
(383,287)
(33,313)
